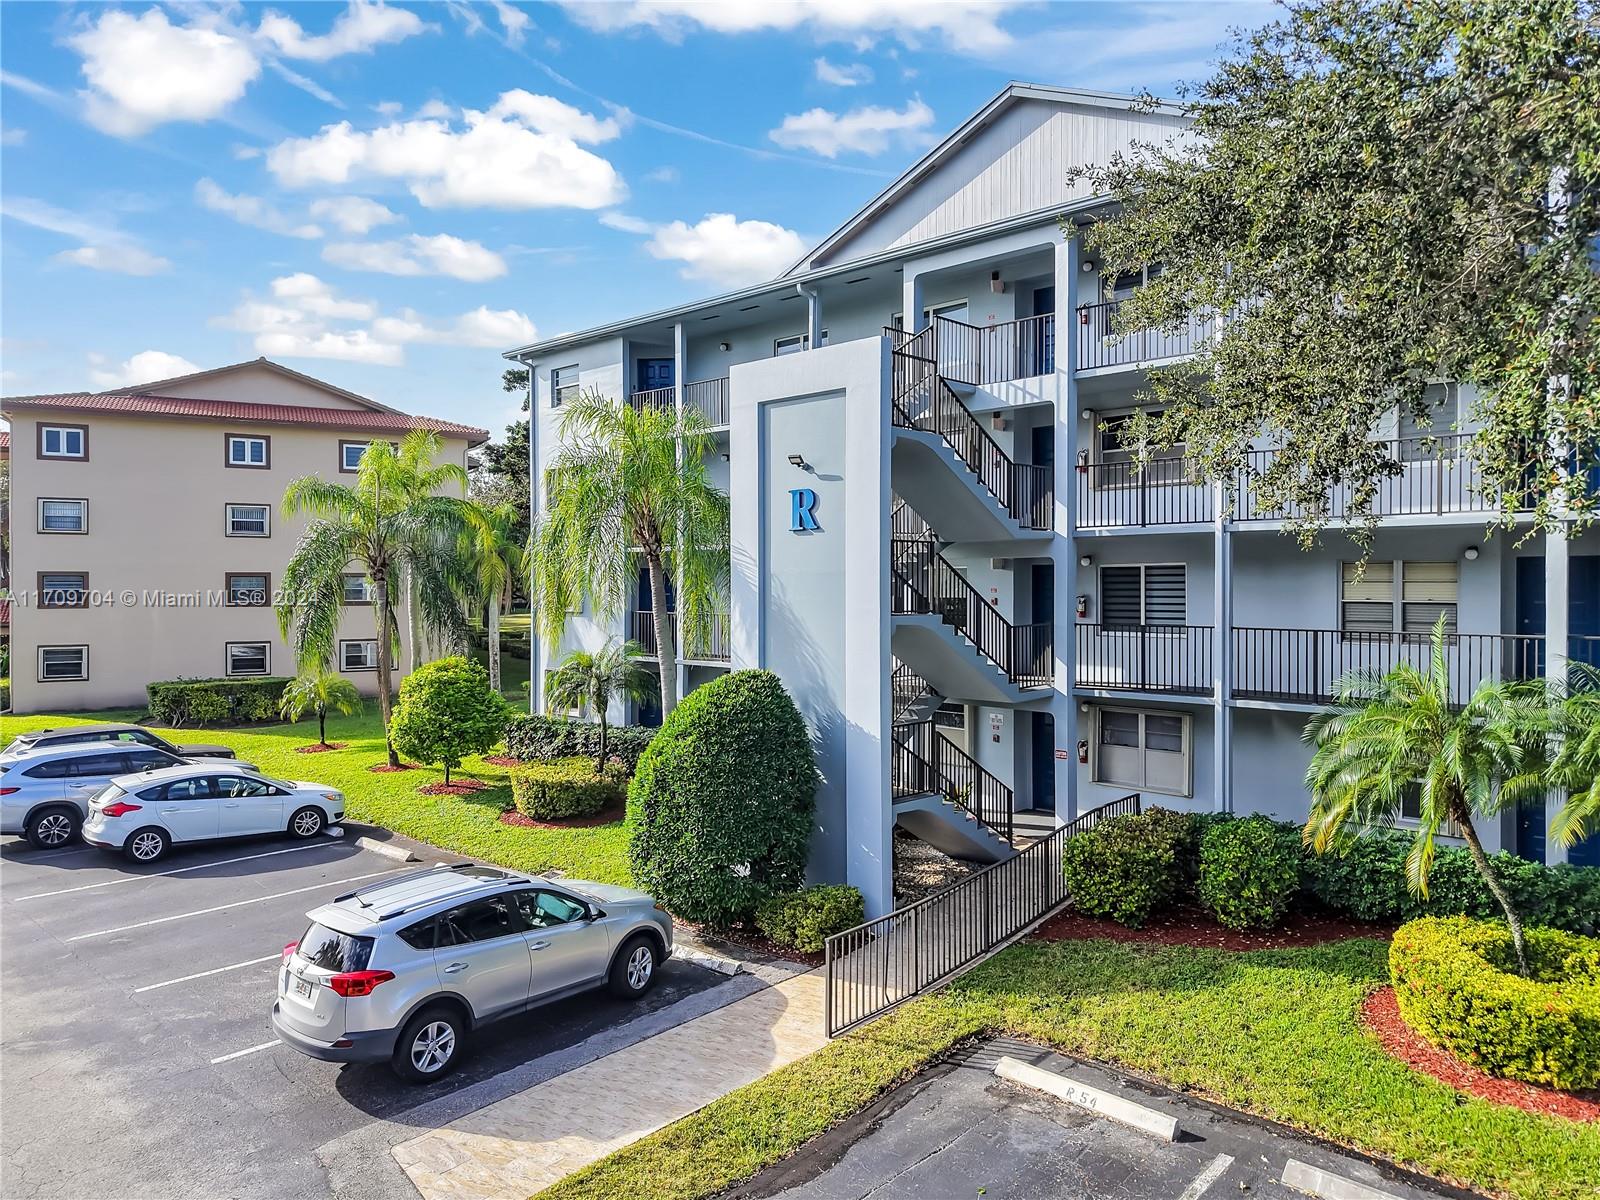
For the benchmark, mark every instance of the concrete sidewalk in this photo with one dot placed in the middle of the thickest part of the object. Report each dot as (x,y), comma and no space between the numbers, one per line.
(517,1146)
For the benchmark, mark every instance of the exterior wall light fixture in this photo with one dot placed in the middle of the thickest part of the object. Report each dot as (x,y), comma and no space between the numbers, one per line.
(1086,560)
(724,346)
(1470,553)
(798,460)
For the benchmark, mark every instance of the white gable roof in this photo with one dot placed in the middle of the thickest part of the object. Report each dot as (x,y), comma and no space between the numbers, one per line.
(1008,159)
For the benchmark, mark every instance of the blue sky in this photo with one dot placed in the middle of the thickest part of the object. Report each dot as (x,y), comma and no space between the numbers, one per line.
(387,196)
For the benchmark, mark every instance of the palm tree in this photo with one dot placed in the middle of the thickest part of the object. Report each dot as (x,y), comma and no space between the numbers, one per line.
(392,524)
(589,681)
(502,560)
(1576,766)
(1387,737)
(317,689)
(631,481)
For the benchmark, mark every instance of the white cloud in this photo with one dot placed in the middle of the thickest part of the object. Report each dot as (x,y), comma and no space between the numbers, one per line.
(28,87)
(388,108)
(147,366)
(144,71)
(724,250)
(513,20)
(360,29)
(483,326)
(970,25)
(662,175)
(244,153)
(353,214)
(436,110)
(440,254)
(523,153)
(305,291)
(118,258)
(251,210)
(842,74)
(627,224)
(13,137)
(869,130)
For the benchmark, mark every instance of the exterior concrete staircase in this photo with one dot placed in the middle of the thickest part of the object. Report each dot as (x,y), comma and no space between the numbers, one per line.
(942,796)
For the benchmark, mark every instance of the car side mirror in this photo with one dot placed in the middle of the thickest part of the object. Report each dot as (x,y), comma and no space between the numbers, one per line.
(594,914)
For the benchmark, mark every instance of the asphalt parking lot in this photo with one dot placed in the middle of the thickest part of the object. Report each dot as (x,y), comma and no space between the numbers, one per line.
(136,1051)
(959,1131)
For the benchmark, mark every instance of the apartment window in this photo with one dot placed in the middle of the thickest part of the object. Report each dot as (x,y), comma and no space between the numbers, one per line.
(63,589)
(357,589)
(249,520)
(1440,401)
(63,662)
(795,344)
(1144,594)
(64,441)
(248,658)
(248,450)
(1147,750)
(350,456)
(563,385)
(1115,448)
(358,655)
(1398,597)
(63,516)
(246,590)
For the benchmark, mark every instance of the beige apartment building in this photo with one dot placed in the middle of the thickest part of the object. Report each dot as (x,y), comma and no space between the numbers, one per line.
(147,532)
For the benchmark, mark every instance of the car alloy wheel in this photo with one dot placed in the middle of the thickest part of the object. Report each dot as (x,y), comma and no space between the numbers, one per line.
(146,846)
(53,829)
(433,1047)
(641,965)
(307,822)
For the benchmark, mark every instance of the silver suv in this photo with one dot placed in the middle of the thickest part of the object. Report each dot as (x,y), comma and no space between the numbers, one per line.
(405,969)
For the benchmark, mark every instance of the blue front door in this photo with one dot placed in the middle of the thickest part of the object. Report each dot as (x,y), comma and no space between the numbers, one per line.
(654,373)
(1044,762)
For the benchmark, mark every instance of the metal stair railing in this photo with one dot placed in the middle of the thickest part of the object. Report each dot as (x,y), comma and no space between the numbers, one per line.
(956,776)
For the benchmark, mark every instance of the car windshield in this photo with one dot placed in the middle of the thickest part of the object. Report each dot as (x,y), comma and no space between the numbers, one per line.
(107,794)
(334,951)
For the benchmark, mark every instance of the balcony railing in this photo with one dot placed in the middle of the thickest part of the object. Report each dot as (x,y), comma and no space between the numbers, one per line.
(661,399)
(1146,658)
(713,644)
(1306,665)
(1163,491)
(983,354)
(1437,475)
(1102,344)
(642,629)
(710,397)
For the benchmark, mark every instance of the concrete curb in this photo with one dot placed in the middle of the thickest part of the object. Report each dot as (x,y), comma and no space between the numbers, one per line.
(1314,1181)
(1101,1103)
(714,962)
(398,853)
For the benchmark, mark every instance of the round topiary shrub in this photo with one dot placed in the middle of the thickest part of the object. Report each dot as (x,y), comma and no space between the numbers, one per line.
(721,802)
(447,710)
(567,788)
(1127,867)
(1455,983)
(804,920)
(1249,872)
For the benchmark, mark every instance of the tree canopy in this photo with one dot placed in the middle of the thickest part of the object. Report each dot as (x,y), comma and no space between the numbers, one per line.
(1377,194)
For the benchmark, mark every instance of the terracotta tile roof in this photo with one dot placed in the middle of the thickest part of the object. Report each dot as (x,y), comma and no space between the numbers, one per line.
(5,439)
(234,410)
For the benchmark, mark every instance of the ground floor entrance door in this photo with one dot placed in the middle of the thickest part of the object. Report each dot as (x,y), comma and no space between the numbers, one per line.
(1044,762)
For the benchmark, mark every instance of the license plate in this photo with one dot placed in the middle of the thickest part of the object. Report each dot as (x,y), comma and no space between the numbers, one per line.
(302,987)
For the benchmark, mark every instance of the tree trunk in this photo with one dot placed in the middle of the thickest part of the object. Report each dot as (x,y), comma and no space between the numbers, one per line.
(414,623)
(1481,861)
(322,724)
(385,701)
(600,762)
(494,643)
(666,640)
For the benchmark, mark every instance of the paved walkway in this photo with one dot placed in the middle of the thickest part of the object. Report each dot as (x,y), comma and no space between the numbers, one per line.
(517,1146)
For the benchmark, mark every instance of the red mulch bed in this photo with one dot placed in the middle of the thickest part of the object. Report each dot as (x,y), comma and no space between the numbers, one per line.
(320,747)
(386,769)
(458,787)
(1381,1015)
(1193,927)
(606,816)
(503,760)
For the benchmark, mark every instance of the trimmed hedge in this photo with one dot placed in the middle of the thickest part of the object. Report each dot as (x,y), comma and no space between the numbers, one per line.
(1455,984)
(1249,872)
(1128,867)
(540,739)
(179,702)
(804,920)
(721,804)
(566,788)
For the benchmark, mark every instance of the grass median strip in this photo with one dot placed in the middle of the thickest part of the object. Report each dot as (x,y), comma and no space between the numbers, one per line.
(1274,1032)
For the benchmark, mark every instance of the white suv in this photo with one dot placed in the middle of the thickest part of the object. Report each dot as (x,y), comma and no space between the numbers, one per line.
(403,970)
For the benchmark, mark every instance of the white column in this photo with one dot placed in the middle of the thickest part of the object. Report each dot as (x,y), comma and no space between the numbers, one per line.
(1064,547)
(912,318)
(680,356)
(1557,601)
(535,648)
(813,317)
(1222,653)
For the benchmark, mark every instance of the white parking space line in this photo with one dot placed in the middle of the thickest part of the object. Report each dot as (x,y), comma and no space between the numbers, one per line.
(1206,1178)
(201,912)
(222,1058)
(89,887)
(249,962)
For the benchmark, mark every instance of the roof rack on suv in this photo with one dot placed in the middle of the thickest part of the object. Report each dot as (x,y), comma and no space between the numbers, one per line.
(482,873)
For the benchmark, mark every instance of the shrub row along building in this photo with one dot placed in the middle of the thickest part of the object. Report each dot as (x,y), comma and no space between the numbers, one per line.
(990,616)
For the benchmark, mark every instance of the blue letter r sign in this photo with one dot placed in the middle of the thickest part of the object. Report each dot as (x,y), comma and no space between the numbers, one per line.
(802,514)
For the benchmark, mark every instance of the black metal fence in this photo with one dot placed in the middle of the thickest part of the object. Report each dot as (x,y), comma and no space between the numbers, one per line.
(1146,658)
(879,965)
(1103,343)
(1163,491)
(982,354)
(1433,476)
(925,762)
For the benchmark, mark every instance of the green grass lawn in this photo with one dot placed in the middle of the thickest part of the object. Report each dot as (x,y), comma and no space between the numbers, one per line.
(1273,1032)
(466,824)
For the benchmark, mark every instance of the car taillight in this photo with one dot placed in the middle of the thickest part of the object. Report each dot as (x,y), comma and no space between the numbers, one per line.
(358,983)
(120,808)
(9,791)
(290,949)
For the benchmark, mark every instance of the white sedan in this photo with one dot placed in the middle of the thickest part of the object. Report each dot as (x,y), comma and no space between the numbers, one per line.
(144,815)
